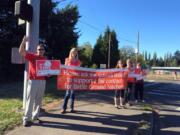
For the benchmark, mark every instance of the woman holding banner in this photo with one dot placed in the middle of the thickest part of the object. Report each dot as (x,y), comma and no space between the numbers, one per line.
(72,60)
(119,94)
(139,86)
(129,89)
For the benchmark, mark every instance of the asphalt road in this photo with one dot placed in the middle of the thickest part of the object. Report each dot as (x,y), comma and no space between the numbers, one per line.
(165,97)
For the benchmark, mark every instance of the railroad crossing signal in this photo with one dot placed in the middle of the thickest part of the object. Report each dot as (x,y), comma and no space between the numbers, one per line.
(23,11)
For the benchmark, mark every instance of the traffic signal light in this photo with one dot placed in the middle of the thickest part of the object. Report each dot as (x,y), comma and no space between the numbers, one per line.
(23,11)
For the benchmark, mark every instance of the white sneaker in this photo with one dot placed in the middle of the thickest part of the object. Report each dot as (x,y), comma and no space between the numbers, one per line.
(142,101)
(127,105)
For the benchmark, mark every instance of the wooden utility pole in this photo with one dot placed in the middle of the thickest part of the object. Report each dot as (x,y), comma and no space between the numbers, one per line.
(137,53)
(109,50)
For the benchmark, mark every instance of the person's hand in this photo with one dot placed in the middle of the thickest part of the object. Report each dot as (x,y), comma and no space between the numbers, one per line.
(25,39)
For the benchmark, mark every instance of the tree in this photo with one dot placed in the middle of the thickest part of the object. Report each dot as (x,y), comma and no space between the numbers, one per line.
(85,54)
(127,52)
(57,27)
(114,55)
(177,57)
(60,31)
(160,62)
(154,59)
(100,52)
(10,35)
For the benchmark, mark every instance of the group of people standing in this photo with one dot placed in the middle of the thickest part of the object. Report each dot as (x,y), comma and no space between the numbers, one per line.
(123,97)
(36,84)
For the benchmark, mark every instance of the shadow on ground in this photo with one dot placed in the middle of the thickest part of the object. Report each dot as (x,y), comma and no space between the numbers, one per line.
(166,117)
(109,121)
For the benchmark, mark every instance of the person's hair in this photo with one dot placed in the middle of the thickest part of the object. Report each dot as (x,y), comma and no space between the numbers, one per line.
(117,65)
(128,61)
(41,45)
(138,64)
(73,50)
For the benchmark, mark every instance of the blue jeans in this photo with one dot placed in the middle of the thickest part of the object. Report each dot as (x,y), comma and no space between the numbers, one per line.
(69,94)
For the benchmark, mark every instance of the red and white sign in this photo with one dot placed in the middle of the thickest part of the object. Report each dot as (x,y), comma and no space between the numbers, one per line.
(78,78)
(48,67)
(133,78)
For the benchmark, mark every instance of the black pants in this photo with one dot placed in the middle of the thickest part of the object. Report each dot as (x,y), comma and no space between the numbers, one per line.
(128,92)
(119,93)
(139,90)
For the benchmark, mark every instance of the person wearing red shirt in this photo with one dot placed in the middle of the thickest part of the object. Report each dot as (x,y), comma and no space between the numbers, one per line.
(139,86)
(119,94)
(72,60)
(130,87)
(36,84)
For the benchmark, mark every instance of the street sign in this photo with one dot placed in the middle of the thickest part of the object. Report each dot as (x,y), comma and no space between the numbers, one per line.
(16,58)
(102,66)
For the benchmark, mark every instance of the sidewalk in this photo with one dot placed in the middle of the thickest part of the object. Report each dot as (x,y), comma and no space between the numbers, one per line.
(95,115)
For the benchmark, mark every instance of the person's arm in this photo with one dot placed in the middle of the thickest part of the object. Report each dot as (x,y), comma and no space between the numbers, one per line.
(22,50)
(66,61)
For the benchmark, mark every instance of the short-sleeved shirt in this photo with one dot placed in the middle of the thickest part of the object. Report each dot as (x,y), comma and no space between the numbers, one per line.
(131,80)
(139,71)
(31,57)
(72,63)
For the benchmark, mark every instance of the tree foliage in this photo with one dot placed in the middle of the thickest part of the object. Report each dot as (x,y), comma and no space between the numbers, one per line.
(101,48)
(127,52)
(57,27)
(10,34)
(85,54)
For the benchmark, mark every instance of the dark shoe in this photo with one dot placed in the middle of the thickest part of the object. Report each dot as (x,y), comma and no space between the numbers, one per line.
(37,121)
(63,111)
(72,111)
(27,123)
(42,110)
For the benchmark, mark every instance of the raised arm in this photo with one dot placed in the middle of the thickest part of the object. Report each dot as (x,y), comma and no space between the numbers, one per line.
(22,50)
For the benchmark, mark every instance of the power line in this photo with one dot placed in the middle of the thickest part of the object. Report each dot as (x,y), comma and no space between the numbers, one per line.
(91,26)
(100,30)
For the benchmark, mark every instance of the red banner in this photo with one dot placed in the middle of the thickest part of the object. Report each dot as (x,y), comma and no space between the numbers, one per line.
(74,78)
(47,67)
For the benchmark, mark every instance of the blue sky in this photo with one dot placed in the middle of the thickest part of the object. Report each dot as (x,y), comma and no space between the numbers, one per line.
(158,22)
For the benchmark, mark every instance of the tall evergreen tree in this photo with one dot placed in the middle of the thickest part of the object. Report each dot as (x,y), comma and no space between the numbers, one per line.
(177,57)
(60,32)
(114,57)
(100,52)
(155,59)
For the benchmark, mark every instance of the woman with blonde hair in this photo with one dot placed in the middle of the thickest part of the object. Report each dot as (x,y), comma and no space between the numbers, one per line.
(130,87)
(119,94)
(72,60)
